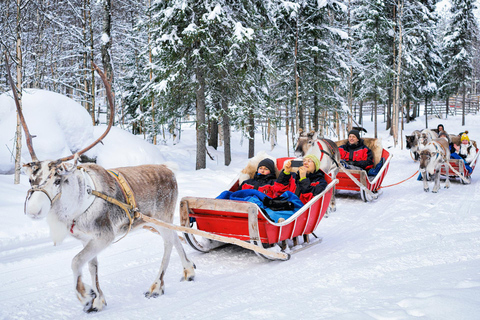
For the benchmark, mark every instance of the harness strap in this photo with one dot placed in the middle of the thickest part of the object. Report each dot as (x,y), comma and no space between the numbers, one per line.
(127,191)
(130,208)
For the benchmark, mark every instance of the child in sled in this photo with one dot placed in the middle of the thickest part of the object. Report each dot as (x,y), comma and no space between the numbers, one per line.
(263,180)
(466,151)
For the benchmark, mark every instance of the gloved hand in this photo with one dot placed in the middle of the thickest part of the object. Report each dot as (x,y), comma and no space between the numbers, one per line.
(345,164)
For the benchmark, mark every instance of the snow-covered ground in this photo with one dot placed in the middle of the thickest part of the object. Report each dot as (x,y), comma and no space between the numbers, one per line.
(407,255)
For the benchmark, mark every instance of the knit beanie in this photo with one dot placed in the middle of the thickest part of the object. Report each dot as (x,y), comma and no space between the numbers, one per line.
(356,133)
(464,137)
(267,163)
(315,161)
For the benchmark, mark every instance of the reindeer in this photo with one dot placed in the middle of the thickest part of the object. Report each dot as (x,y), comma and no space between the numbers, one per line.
(88,203)
(412,143)
(433,156)
(426,136)
(326,151)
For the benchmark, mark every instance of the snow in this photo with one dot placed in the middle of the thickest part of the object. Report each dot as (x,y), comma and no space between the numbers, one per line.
(407,255)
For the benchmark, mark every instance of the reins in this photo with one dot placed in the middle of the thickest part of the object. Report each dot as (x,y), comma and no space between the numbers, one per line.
(394,184)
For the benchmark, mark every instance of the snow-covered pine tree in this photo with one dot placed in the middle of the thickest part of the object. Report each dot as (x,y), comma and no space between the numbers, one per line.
(195,46)
(373,52)
(422,60)
(458,47)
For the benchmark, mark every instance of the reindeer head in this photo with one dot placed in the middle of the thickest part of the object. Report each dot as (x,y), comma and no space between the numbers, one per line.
(410,141)
(46,180)
(305,142)
(48,177)
(430,158)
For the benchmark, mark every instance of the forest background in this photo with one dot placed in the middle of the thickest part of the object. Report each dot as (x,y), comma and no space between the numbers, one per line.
(245,65)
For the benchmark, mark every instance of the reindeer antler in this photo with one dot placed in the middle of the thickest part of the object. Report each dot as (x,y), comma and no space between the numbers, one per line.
(110,122)
(28,136)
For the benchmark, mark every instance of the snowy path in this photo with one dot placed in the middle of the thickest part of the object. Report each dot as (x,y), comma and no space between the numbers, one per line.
(407,255)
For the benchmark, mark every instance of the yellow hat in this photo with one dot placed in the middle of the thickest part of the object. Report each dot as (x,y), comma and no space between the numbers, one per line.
(464,137)
(315,161)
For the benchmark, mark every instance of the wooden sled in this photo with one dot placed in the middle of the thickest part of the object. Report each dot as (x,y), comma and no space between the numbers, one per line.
(224,221)
(358,180)
(457,170)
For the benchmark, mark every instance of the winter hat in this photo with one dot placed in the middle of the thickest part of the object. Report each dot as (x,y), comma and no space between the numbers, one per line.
(314,159)
(356,133)
(464,136)
(267,163)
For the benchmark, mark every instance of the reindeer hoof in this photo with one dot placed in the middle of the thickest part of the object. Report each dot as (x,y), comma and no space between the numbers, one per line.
(426,189)
(154,295)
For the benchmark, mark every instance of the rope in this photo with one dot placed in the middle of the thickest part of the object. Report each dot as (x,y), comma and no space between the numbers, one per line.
(391,185)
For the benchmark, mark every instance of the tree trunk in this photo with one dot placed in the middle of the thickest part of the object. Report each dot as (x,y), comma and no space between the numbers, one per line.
(251,134)
(18,148)
(389,109)
(407,111)
(463,100)
(92,71)
(360,113)
(201,162)
(213,131)
(426,112)
(226,132)
(297,111)
(375,110)
(107,42)
(446,106)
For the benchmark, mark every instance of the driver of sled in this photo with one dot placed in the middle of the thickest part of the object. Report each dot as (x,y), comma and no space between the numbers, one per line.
(355,155)
(306,183)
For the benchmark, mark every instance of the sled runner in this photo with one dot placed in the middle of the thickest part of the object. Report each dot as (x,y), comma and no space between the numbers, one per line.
(221,220)
(358,180)
(457,169)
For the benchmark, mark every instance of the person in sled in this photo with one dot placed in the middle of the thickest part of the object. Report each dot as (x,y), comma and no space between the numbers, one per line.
(466,151)
(355,154)
(308,182)
(263,180)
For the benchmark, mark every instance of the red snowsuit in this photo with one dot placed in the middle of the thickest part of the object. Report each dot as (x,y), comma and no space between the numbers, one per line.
(357,154)
(260,182)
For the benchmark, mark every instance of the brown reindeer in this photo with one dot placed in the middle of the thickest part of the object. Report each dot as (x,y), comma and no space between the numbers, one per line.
(88,203)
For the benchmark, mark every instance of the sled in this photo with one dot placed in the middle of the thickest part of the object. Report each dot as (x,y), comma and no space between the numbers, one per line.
(457,169)
(358,180)
(229,221)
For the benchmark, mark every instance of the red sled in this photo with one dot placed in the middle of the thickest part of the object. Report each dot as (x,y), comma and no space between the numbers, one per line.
(358,180)
(460,171)
(238,222)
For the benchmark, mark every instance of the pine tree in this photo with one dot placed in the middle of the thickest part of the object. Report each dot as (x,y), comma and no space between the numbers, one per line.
(458,47)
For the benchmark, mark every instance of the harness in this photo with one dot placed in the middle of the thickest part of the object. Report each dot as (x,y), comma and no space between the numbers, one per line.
(330,154)
(41,189)
(130,208)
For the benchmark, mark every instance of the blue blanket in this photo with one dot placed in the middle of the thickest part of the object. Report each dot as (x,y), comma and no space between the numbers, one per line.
(257,197)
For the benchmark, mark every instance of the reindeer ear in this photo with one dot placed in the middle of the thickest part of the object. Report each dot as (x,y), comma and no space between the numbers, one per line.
(30,168)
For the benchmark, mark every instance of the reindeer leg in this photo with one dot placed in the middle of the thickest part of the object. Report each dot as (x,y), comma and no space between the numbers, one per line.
(99,302)
(158,286)
(88,296)
(436,178)
(447,179)
(188,266)
(425,183)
